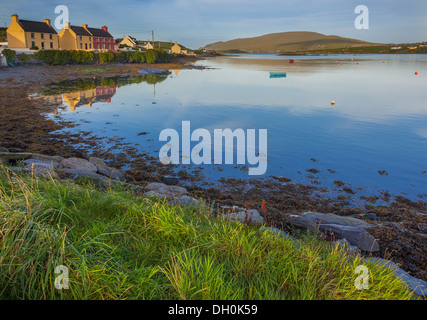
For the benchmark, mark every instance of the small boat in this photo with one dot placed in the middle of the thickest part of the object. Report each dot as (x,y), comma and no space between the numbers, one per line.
(277,74)
(292,61)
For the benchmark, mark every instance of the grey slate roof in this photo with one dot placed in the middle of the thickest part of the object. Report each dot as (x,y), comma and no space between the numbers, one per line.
(80,31)
(99,33)
(36,26)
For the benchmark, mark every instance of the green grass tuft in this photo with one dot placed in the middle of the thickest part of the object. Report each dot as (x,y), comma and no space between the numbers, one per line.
(119,246)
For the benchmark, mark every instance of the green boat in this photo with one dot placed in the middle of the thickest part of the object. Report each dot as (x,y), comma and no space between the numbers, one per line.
(277,74)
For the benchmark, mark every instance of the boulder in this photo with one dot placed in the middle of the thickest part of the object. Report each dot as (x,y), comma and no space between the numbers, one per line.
(163,191)
(247,217)
(41,163)
(419,287)
(185,201)
(104,169)
(345,245)
(301,222)
(330,218)
(79,174)
(78,164)
(3,149)
(43,157)
(41,168)
(357,236)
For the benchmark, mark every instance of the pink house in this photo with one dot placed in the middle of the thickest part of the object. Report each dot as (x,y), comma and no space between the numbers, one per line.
(101,38)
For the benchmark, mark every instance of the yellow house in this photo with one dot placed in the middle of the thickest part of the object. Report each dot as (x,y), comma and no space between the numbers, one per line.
(128,41)
(27,34)
(75,38)
(148,46)
(176,48)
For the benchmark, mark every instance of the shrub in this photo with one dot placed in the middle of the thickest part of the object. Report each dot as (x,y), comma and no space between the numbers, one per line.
(59,57)
(34,48)
(9,54)
(24,58)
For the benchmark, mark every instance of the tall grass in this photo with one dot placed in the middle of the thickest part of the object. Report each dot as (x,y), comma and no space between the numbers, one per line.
(118,246)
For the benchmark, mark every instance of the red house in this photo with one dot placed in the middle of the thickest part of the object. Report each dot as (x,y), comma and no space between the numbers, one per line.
(102,40)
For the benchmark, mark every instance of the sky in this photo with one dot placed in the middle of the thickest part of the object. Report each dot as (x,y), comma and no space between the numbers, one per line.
(196,23)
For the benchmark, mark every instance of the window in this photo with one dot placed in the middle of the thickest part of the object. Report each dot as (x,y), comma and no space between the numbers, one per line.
(42,36)
(51,45)
(90,38)
(51,37)
(80,38)
(85,46)
(81,46)
(32,35)
(90,45)
(42,45)
(33,43)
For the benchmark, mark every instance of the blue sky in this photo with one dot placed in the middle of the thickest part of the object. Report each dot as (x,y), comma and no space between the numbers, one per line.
(196,23)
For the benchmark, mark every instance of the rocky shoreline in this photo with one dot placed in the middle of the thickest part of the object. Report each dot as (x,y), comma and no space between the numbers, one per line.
(347,233)
(399,228)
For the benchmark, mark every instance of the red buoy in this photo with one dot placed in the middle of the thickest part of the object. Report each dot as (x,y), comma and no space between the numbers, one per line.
(416,73)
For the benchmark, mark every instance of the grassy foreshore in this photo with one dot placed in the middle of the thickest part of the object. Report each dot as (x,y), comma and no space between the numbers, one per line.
(120,246)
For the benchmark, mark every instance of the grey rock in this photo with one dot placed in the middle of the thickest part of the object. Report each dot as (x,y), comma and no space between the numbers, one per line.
(185,201)
(43,157)
(330,218)
(79,174)
(3,149)
(277,231)
(15,156)
(419,287)
(345,245)
(163,191)
(170,180)
(104,169)
(301,222)
(43,168)
(41,163)
(357,236)
(248,217)
(78,164)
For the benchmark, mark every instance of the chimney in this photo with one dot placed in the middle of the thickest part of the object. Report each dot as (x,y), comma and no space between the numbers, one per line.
(47,21)
(67,25)
(105,28)
(15,18)
(84,26)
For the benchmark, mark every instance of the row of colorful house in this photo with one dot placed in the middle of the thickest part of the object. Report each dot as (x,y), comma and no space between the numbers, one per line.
(26,34)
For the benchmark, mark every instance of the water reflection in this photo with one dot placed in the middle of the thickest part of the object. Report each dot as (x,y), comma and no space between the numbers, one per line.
(75,93)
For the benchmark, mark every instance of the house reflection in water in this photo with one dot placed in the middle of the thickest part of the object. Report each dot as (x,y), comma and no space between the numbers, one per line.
(86,97)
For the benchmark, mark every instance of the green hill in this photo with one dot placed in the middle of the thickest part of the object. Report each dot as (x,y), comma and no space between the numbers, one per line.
(287,42)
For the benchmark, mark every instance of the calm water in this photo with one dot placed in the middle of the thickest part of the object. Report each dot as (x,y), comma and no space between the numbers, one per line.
(379,121)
